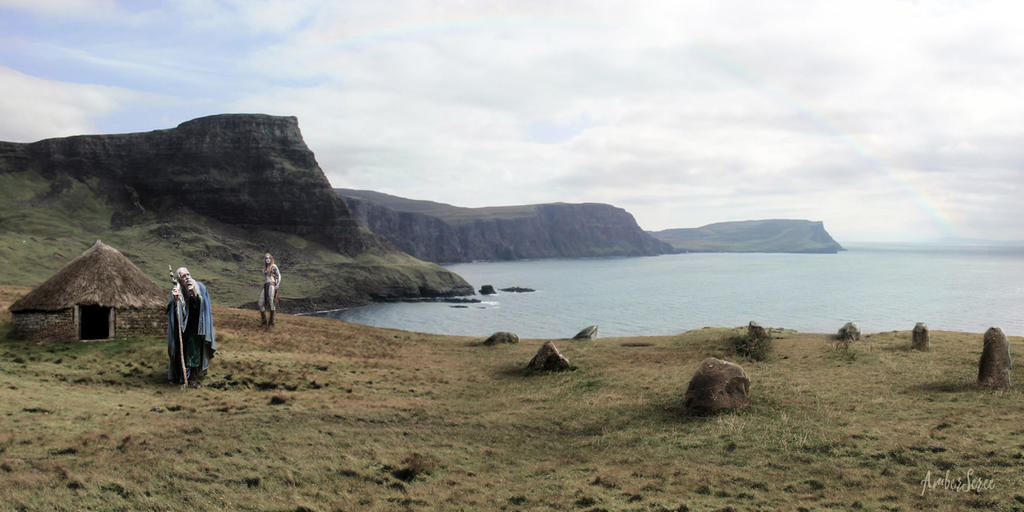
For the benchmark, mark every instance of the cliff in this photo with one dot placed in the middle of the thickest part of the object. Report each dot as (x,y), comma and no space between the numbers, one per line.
(217,190)
(444,233)
(776,235)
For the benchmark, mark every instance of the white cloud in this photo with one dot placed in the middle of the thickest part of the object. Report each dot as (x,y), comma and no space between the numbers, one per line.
(61,7)
(883,119)
(33,108)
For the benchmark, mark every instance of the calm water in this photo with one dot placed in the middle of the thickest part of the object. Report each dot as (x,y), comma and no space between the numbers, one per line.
(881,288)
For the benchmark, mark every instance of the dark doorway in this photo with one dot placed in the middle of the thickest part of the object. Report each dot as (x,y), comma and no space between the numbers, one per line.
(95,322)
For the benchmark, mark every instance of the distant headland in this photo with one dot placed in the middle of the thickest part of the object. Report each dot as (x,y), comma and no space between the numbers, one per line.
(775,235)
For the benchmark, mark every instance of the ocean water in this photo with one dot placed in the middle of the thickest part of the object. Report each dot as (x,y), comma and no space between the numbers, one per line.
(881,288)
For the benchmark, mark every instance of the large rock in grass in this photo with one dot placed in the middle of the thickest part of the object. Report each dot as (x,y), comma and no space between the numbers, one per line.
(717,385)
(755,332)
(587,333)
(921,339)
(548,359)
(994,367)
(502,337)
(849,332)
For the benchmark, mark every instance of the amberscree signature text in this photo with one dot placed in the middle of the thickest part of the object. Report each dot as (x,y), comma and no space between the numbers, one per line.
(967,484)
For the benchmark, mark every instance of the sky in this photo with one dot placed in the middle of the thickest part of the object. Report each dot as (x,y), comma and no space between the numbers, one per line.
(887,120)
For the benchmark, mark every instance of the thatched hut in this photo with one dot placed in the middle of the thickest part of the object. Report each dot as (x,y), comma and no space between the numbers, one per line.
(98,295)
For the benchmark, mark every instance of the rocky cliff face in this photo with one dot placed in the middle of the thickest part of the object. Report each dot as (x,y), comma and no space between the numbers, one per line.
(219,190)
(243,170)
(443,233)
(423,236)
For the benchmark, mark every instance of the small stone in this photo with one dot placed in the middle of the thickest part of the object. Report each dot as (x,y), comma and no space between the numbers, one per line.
(548,359)
(921,339)
(502,337)
(588,333)
(849,332)
(716,385)
(756,332)
(994,367)
(487,290)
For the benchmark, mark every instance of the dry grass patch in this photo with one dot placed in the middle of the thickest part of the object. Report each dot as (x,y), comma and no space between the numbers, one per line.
(322,415)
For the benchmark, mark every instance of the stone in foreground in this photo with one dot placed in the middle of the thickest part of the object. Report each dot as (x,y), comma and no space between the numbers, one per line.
(995,364)
(717,385)
(849,332)
(548,359)
(588,333)
(502,337)
(921,340)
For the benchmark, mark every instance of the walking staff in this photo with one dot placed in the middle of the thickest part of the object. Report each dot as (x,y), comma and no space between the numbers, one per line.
(177,321)
(190,330)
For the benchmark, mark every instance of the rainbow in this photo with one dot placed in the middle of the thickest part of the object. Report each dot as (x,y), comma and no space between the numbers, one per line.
(339,37)
(920,198)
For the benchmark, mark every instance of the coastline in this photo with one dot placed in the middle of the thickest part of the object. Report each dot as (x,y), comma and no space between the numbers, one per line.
(328,415)
(10,293)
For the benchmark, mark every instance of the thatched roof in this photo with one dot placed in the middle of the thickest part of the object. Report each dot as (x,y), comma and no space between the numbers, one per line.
(100,276)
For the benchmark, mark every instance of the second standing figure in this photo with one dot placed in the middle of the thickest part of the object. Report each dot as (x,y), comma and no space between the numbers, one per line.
(268,298)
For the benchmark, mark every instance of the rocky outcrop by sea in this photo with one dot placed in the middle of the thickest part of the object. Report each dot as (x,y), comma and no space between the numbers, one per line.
(444,233)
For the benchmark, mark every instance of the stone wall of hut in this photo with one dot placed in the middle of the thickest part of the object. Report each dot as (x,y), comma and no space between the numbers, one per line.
(46,324)
(130,322)
(61,325)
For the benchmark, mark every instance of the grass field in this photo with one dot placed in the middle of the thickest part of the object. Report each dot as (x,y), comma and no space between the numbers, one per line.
(323,415)
(47,225)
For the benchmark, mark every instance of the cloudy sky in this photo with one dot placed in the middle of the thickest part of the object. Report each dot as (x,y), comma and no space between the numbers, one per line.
(887,120)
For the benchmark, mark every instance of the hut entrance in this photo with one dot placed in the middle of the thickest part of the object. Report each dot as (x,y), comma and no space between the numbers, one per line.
(95,323)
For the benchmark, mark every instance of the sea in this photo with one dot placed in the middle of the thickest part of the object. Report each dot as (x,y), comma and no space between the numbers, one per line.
(880,287)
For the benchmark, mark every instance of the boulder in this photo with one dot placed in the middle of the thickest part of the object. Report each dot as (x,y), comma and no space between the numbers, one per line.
(518,289)
(994,367)
(756,332)
(587,333)
(922,340)
(502,337)
(548,359)
(487,290)
(849,332)
(717,385)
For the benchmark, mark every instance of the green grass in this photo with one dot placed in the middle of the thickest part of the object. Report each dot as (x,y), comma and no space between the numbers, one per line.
(323,415)
(54,222)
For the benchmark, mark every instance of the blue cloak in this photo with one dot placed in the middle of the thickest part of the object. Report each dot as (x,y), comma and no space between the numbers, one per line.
(209,343)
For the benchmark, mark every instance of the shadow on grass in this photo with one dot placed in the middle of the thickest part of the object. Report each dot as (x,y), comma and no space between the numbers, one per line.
(673,411)
(903,348)
(525,371)
(947,386)
(488,345)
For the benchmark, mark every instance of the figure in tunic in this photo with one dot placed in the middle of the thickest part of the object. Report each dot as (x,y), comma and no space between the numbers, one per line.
(268,297)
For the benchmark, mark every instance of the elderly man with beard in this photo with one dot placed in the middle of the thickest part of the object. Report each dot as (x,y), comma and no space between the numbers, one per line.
(189,315)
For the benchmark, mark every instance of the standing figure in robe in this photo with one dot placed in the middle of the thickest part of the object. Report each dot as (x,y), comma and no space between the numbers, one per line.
(189,310)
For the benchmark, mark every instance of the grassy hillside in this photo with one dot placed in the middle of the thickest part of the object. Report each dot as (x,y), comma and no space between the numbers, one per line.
(54,223)
(775,235)
(323,415)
